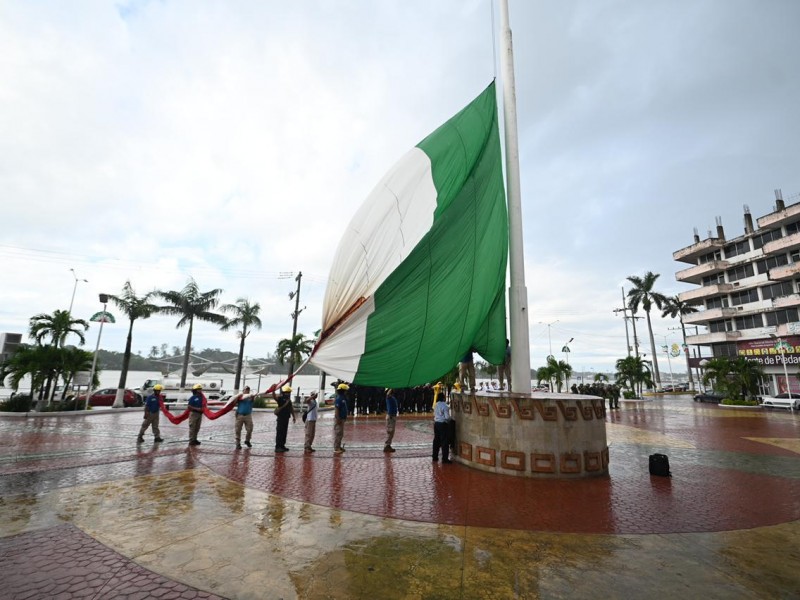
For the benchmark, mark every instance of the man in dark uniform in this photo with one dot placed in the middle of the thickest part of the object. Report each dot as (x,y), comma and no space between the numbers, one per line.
(152,410)
(284,412)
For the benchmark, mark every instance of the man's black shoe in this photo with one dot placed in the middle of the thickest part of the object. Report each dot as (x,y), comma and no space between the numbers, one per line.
(446,461)
(158,440)
(248,444)
(281,450)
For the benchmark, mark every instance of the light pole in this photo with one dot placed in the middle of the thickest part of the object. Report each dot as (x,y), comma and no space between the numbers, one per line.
(75,287)
(782,349)
(669,362)
(566,351)
(104,300)
(549,339)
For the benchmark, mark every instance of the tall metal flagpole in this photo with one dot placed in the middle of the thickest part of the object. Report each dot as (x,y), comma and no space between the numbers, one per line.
(517,293)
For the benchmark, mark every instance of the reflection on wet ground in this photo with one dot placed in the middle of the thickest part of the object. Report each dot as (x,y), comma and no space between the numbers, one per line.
(168,521)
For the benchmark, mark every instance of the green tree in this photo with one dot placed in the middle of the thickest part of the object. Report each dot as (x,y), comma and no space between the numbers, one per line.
(555,371)
(737,379)
(135,307)
(73,360)
(245,316)
(633,373)
(600,377)
(293,350)
(191,304)
(57,327)
(675,307)
(642,294)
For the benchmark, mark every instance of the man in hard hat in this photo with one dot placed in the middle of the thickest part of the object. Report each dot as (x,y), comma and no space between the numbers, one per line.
(310,418)
(152,410)
(284,411)
(195,413)
(339,416)
(244,417)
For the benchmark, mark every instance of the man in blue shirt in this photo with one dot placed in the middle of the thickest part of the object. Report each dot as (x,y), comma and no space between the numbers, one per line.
(339,416)
(441,430)
(244,417)
(152,410)
(391,419)
(196,403)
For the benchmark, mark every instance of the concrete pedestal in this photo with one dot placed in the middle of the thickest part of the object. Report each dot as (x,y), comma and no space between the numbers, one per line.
(535,435)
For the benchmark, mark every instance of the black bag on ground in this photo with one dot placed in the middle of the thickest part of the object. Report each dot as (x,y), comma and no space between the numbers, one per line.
(659,465)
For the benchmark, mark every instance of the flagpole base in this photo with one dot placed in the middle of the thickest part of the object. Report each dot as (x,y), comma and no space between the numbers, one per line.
(546,436)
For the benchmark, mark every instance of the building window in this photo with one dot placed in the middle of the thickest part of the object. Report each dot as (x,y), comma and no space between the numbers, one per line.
(749,322)
(744,297)
(768,236)
(738,248)
(718,302)
(793,228)
(720,326)
(714,279)
(777,290)
(724,350)
(773,261)
(710,257)
(740,272)
(780,317)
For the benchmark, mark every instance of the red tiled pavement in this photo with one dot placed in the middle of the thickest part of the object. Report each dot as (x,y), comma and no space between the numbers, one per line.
(719,476)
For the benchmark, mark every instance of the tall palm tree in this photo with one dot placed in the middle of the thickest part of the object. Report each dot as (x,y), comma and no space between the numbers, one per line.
(293,350)
(736,378)
(134,307)
(245,315)
(57,327)
(191,304)
(675,307)
(643,294)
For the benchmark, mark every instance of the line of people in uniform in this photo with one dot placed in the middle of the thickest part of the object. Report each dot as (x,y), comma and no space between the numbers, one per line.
(284,411)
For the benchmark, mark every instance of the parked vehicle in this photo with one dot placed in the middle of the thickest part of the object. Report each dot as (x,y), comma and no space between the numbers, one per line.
(795,396)
(106,396)
(713,397)
(172,392)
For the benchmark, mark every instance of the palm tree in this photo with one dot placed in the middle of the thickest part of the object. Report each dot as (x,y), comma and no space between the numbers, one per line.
(600,377)
(293,350)
(246,317)
(190,304)
(73,360)
(736,378)
(134,307)
(633,372)
(557,371)
(41,363)
(675,307)
(643,294)
(57,327)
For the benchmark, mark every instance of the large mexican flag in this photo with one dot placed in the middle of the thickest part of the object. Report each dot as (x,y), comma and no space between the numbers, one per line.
(419,276)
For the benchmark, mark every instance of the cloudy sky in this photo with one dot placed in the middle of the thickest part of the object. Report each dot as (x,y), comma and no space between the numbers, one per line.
(231,142)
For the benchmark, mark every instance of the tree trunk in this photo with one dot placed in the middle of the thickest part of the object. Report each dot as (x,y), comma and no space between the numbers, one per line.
(238,378)
(119,398)
(653,350)
(186,354)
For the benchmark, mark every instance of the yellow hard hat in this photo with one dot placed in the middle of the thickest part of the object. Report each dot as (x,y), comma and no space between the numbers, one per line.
(342,386)
(197,386)
(158,387)
(286,388)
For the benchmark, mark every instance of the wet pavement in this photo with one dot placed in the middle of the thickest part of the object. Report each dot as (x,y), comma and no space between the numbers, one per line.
(88,514)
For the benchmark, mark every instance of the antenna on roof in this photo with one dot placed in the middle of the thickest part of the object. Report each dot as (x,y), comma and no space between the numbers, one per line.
(696,235)
(748,220)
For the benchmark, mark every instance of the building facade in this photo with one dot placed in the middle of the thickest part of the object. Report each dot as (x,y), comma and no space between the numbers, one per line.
(747,295)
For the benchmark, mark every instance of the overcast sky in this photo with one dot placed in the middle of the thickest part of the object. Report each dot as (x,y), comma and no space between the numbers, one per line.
(232,142)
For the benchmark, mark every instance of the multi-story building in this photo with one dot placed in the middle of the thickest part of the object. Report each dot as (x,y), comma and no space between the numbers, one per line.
(748,298)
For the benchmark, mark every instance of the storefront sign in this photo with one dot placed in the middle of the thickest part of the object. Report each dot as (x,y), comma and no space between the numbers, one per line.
(767,352)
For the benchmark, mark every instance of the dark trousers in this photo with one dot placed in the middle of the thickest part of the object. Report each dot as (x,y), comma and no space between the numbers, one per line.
(281,430)
(441,439)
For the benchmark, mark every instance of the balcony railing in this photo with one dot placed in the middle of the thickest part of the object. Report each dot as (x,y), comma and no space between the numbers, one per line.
(718,337)
(780,217)
(785,301)
(696,273)
(784,272)
(784,244)
(707,291)
(690,254)
(712,314)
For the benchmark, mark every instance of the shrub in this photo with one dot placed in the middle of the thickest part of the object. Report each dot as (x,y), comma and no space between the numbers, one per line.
(737,402)
(17,403)
(260,402)
(628,394)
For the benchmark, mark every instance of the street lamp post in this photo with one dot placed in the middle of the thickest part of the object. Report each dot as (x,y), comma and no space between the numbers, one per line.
(74,288)
(565,349)
(549,339)
(779,346)
(104,300)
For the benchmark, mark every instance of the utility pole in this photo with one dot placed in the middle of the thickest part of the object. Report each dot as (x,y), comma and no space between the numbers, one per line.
(295,314)
(624,310)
